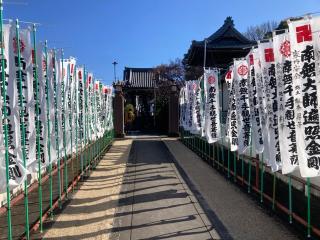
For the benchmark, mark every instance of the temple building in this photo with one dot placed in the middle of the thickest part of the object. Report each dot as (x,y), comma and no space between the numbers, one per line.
(221,47)
(139,85)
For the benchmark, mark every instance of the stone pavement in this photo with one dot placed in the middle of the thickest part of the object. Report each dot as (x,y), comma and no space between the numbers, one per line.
(162,190)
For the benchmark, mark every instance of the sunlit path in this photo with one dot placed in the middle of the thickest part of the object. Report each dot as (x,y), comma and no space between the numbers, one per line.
(90,212)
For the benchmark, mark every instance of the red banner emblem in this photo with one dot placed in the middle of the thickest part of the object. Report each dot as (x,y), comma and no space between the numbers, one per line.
(229,75)
(211,79)
(15,46)
(194,86)
(242,70)
(285,48)
(80,75)
(269,55)
(251,59)
(304,33)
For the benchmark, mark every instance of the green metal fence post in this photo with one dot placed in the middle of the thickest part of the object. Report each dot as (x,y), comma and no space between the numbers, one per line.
(56,126)
(22,128)
(47,93)
(37,110)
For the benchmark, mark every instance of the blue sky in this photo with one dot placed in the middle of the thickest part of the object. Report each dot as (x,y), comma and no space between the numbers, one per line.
(141,33)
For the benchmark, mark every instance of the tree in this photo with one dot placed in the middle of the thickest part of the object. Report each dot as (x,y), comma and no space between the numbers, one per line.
(166,75)
(261,31)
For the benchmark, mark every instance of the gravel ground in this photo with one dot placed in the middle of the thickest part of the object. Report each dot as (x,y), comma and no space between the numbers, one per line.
(239,214)
(89,215)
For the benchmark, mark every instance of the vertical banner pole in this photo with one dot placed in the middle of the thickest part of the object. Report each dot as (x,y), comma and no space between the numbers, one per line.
(250,162)
(5,123)
(229,160)
(23,130)
(262,179)
(242,168)
(70,112)
(47,92)
(309,208)
(234,166)
(76,113)
(35,75)
(63,100)
(56,125)
(220,109)
(85,127)
(274,190)
(290,199)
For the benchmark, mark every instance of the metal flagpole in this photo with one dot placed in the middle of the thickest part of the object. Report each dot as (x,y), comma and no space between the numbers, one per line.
(234,166)
(309,208)
(47,92)
(56,126)
(36,94)
(290,200)
(250,161)
(262,178)
(85,127)
(274,190)
(22,128)
(220,109)
(63,100)
(5,122)
(76,112)
(70,112)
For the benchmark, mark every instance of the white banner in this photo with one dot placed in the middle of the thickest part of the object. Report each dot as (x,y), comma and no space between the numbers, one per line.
(257,136)
(17,172)
(228,79)
(28,96)
(287,131)
(305,94)
(271,105)
(196,108)
(243,109)
(212,107)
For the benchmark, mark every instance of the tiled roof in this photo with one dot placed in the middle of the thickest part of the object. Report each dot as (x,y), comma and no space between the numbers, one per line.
(139,77)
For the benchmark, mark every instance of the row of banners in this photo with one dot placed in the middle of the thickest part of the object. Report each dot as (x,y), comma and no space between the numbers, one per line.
(73,109)
(273,101)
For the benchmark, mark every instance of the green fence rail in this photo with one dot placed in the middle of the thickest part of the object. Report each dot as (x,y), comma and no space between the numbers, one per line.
(289,197)
(55,186)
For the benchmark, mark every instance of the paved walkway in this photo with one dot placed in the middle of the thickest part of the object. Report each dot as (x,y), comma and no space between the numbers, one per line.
(161,191)
(156,202)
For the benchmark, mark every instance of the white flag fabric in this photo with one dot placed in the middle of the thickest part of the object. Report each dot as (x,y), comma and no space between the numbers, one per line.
(196,107)
(305,94)
(254,80)
(42,107)
(271,105)
(183,106)
(17,172)
(80,78)
(228,79)
(243,108)
(212,107)
(287,131)
(28,96)
(190,102)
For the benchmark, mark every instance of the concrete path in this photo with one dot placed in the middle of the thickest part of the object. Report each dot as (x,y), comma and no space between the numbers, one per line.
(156,202)
(162,190)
